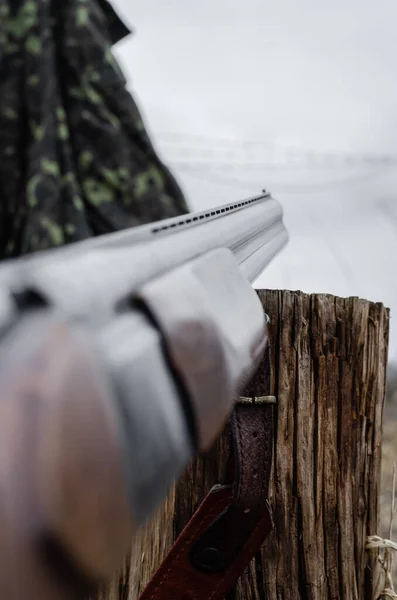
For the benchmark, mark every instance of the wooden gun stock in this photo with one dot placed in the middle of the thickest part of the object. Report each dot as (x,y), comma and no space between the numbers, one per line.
(65,522)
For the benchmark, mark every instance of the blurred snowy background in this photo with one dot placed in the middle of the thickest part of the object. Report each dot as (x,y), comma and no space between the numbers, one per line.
(298,98)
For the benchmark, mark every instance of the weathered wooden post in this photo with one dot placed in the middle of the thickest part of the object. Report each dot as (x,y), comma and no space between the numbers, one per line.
(328,373)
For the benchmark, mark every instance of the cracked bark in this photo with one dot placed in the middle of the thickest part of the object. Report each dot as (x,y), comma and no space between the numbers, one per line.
(329,369)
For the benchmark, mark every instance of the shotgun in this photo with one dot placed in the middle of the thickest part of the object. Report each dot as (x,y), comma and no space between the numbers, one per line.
(121,359)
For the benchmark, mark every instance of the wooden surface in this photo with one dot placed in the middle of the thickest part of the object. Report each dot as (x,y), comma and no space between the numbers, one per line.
(329,361)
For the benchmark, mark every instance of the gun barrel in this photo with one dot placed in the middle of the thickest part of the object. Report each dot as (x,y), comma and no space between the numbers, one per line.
(94,276)
(244,227)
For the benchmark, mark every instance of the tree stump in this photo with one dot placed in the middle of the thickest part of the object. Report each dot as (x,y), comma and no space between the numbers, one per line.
(329,359)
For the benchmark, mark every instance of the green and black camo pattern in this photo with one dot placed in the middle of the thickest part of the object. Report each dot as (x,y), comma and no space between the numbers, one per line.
(75,158)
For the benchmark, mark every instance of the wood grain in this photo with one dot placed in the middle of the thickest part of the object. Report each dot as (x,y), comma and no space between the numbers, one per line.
(328,372)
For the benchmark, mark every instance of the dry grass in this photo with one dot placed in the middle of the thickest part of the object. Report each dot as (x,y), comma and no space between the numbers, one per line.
(389,458)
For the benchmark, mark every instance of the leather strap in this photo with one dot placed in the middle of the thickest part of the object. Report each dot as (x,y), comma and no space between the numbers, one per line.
(231,524)
(253,437)
(178,579)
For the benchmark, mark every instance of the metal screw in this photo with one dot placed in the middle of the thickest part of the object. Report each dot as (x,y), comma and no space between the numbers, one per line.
(210,558)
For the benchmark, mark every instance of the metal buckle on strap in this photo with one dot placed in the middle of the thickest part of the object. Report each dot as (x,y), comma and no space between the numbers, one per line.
(258,400)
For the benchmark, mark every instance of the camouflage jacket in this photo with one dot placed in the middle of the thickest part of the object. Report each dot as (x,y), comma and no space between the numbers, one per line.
(75,158)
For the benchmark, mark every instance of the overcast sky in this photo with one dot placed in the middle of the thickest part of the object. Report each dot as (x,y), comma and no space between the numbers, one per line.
(311,75)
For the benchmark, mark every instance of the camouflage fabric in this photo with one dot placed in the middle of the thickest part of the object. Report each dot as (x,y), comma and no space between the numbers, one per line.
(75,158)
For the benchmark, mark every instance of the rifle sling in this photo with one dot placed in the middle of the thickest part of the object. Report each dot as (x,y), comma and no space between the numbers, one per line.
(231,524)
